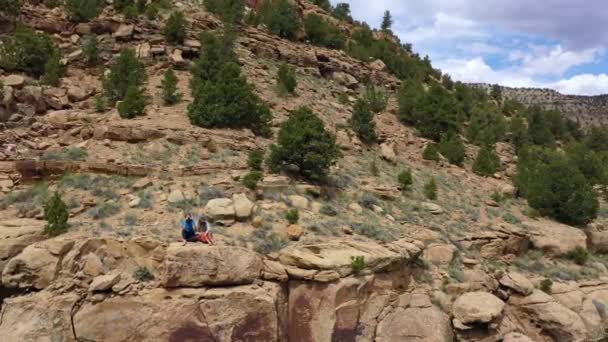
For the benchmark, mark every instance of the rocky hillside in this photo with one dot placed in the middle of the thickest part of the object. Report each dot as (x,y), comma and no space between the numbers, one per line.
(364,259)
(589,110)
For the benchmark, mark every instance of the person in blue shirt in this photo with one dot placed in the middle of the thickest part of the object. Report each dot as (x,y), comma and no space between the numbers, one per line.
(189,233)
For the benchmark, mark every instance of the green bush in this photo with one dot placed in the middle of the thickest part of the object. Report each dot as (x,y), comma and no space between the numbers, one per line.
(251,179)
(519,133)
(362,122)
(373,168)
(487,125)
(430,189)
(10,8)
(487,162)
(342,12)
(90,50)
(222,98)
(369,201)
(100,103)
(175,29)
(566,195)
(405,179)
(255,159)
(545,285)
(231,11)
(292,216)
(579,255)
(322,33)
(375,98)
(143,274)
(126,72)
(324,4)
(304,143)
(281,18)
(430,152)
(328,210)
(75,154)
(83,10)
(56,215)
(53,70)
(134,103)
(286,79)
(357,263)
(152,11)
(169,87)
(229,102)
(28,51)
(433,112)
(452,148)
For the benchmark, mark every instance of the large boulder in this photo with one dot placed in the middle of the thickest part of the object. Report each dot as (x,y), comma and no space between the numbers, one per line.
(243,207)
(416,321)
(555,238)
(220,209)
(517,282)
(41,316)
(17,234)
(477,307)
(201,265)
(37,265)
(542,318)
(439,254)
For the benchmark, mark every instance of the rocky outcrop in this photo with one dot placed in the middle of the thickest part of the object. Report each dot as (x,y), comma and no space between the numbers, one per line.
(195,266)
(555,238)
(477,307)
(15,235)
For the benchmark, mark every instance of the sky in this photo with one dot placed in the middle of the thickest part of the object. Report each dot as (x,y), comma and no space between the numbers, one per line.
(557,44)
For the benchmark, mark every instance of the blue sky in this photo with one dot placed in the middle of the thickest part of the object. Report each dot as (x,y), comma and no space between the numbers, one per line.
(556,44)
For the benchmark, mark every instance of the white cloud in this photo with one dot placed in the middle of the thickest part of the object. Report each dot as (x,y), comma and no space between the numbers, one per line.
(584,84)
(476,70)
(443,27)
(556,61)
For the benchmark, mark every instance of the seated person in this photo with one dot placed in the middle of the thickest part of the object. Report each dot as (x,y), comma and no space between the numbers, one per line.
(205,234)
(189,229)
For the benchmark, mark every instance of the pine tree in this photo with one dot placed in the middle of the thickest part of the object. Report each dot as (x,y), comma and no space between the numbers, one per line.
(487,162)
(409,98)
(27,50)
(362,122)
(281,18)
(56,215)
(169,87)
(134,103)
(53,70)
(496,92)
(375,98)
(126,71)
(175,30)
(90,49)
(405,179)
(286,79)
(229,102)
(430,189)
(430,153)
(231,11)
(387,22)
(83,10)
(452,148)
(304,143)
(10,8)
(342,12)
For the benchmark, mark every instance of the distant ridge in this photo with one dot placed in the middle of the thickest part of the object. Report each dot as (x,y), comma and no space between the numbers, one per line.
(589,110)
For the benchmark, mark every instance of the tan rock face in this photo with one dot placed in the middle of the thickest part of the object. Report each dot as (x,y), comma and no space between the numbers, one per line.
(555,238)
(17,234)
(440,254)
(474,307)
(415,324)
(220,209)
(200,265)
(41,316)
(243,207)
(517,282)
(542,318)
